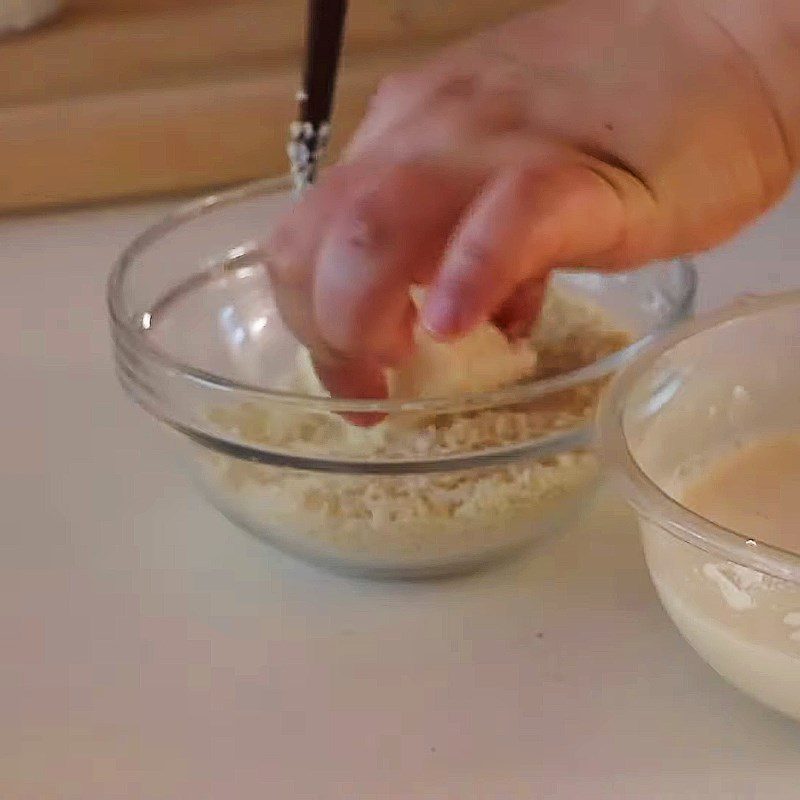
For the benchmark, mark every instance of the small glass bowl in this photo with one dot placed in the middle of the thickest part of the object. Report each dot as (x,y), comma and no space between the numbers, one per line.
(713,386)
(199,344)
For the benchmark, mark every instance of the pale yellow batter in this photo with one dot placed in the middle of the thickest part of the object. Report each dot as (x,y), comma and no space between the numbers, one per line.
(744,623)
(755,492)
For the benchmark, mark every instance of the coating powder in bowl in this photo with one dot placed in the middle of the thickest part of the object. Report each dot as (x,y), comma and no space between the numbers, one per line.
(424,517)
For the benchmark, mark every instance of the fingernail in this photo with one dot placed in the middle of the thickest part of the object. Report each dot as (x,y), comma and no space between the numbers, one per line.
(446,316)
(438,316)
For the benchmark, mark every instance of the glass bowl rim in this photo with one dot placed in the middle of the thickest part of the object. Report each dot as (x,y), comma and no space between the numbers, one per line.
(649,499)
(129,333)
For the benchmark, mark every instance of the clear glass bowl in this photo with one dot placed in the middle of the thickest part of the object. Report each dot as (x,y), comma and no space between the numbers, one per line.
(715,385)
(199,344)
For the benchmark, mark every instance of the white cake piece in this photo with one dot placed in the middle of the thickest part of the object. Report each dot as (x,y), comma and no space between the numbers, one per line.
(478,362)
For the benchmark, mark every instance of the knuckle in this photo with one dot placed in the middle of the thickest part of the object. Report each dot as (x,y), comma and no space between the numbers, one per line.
(366,228)
(458,86)
(380,212)
(502,105)
(501,114)
(528,178)
(394,87)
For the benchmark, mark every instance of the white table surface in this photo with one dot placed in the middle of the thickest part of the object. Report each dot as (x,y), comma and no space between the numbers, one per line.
(151,650)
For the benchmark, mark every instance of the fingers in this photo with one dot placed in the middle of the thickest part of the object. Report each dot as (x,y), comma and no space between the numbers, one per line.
(293,248)
(353,379)
(341,375)
(399,97)
(292,251)
(343,261)
(392,236)
(523,225)
(485,251)
(293,243)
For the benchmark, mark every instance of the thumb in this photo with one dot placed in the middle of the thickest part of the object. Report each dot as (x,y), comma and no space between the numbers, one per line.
(524,224)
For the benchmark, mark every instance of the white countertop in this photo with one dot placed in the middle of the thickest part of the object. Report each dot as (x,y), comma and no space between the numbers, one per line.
(151,650)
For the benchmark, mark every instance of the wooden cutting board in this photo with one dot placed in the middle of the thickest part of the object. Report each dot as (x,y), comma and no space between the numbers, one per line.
(121,98)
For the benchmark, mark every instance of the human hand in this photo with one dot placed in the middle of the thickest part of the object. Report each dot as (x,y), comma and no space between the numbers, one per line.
(595,134)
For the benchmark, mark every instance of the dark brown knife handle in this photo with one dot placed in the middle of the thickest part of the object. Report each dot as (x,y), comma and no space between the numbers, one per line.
(325,29)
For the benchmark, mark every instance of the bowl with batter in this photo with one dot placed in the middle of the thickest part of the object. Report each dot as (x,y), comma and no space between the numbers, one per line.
(483,447)
(702,434)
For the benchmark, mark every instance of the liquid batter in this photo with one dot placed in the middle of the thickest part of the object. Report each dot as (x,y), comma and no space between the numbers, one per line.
(744,623)
(755,492)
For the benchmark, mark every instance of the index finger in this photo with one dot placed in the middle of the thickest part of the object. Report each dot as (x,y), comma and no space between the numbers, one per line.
(392,236)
